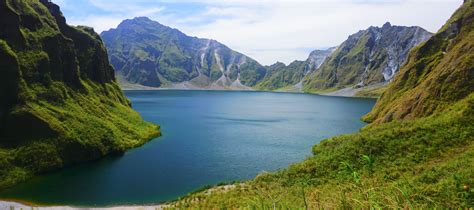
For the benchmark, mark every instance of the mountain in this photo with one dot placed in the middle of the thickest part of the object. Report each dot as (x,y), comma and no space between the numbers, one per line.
(148,53)
(60,104)
(280,76)
(367,57)
(438,74)
(417,152)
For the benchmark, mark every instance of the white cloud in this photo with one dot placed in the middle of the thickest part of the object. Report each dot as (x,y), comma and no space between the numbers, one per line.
(275,30)
(310,24)
(99,23)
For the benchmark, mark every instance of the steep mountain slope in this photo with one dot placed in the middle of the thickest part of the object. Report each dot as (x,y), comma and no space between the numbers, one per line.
(148,53)
(423,158)
(60,103)
(368,57)
(290,77)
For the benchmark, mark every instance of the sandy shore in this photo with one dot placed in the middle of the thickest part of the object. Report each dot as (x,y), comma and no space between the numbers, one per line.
(11,205)
(351,91)
(18,205)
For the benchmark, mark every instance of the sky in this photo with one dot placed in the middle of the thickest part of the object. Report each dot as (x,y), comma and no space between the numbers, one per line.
(266,30)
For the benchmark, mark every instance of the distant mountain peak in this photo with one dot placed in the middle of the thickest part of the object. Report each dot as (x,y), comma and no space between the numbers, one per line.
(142,18)
(278,63)
(387,25)
(139,20)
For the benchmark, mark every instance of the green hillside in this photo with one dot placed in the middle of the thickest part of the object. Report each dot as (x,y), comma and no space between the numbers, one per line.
(438,73)
(60,102)
(280,76)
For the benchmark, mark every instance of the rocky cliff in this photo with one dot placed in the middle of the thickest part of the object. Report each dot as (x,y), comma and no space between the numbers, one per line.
(59,103)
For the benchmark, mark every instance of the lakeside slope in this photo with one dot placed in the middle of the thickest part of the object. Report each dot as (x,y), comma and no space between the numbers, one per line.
(60,102)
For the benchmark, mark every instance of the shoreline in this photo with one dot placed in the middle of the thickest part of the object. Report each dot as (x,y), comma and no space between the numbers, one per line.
(330,94)
(20,204)
(13,204)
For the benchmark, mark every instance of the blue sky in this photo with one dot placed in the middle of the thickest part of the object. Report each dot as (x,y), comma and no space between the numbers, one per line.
(266,30)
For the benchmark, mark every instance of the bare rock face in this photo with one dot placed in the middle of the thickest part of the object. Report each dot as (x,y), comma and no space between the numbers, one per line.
(317,57)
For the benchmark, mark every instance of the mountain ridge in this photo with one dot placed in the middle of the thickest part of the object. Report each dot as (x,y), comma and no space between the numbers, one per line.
(368,57)
(290,77)
(170,56)
(147,54)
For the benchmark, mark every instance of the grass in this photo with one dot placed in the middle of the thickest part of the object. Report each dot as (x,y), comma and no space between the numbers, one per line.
(371,92)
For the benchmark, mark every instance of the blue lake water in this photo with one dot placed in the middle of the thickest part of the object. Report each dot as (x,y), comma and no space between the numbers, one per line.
(208,137)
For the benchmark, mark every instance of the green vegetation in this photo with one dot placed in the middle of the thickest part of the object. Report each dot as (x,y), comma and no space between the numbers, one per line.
(279,75)
(287,78)
(371,92)
(60,102)
(421,159)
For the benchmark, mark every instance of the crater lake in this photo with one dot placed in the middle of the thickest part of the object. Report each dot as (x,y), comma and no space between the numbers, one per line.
(208,137)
